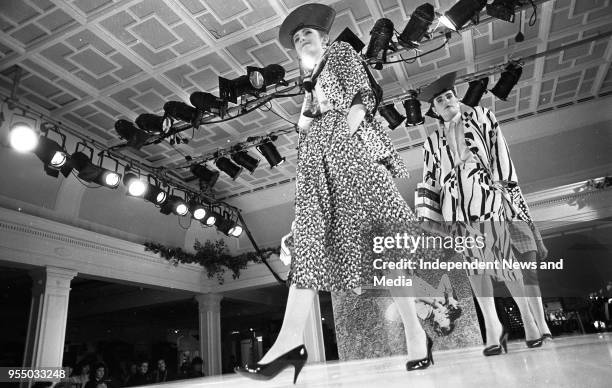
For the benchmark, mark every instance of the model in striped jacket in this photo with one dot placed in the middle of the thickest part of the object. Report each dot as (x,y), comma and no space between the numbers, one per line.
(468,178)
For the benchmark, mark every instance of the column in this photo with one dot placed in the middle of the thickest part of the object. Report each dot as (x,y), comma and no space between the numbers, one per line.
(48,315)
(209,307)
(313,333)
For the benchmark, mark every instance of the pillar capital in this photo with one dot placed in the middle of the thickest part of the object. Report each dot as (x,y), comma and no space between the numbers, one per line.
(209,302)
(49,277)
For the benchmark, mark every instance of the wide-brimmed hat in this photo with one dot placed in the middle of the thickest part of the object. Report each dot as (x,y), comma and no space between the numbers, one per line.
(316,16)
(439,86)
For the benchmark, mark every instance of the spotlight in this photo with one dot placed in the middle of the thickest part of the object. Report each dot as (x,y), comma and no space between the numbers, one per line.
(211,218)
(254,82)
(134,136)
(154,193)
(502,9)
(207,102)
(379,42)
(52,154)
(227,166)
(413,110)
(204,174)
(235,231)
(198,211)
(475,91)
(92,173)
(153,123)
(462,12)
(507,80)
(417,26)
(227,226)
(181,111)
(174,204)
(269,75)
(245,160)
(136,186)
(269,151)
(23,137)
(391,115)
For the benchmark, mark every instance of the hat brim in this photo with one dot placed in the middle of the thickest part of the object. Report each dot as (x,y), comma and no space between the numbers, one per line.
(439,86)
(317,16)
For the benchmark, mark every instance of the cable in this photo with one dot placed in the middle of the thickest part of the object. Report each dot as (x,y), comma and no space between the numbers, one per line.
(534,15)
(271,109)
(420,55)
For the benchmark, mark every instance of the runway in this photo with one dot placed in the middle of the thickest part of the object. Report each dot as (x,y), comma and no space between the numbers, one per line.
(579,361)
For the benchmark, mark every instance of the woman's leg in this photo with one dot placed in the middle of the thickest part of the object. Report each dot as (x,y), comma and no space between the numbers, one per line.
(416,339)
(533,294)
(517,290)
(291,335)
(483,290)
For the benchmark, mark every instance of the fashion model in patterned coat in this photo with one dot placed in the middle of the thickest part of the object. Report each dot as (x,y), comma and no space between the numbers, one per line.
(344,191)
(468,171)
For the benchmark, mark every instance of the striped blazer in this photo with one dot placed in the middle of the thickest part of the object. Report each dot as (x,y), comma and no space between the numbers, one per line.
(446,195)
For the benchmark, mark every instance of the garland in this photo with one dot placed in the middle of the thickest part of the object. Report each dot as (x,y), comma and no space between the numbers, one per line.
(211,255)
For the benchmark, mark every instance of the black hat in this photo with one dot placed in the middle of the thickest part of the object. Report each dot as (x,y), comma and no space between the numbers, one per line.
(316,16)
(439,86)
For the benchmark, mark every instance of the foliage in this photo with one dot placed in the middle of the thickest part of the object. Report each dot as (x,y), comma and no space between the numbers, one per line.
(213,256)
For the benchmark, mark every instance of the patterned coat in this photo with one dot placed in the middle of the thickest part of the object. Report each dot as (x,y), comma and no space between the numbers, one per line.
(478,192)
(345,194)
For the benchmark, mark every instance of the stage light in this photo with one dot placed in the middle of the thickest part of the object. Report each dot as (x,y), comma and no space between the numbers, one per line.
(52,155)
(254,82)
(462,12)
(197,210)
(235,231)
(413,110)
(22,137)
(181,111)
(226,225)
(174,204)
(92,173)
(244,159)
(153,123)
(417,26)
(50,152)
(210,103)
(380,42)
(154,193)
(269,151)
(227,166)
(475,91)
(502,10)
(269,75)
(507,80)
(136,186)
(134,136)
(210,218)
(391,115)
(204,174)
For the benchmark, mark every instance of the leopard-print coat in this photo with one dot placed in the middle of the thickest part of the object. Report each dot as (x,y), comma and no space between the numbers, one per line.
(345,191)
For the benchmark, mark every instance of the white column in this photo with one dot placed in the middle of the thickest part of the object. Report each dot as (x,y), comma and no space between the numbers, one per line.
(48,315)
(209,307)
(313,333)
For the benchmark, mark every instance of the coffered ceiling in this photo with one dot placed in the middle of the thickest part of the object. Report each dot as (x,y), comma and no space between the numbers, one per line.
(88,63)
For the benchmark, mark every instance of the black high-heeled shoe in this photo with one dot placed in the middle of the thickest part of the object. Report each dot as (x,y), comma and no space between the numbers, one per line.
(495,350)
(536,343)
(424,362)
(296,357)
(547,336)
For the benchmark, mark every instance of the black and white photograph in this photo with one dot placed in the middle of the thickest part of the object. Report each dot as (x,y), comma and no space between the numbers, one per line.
(278,193)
